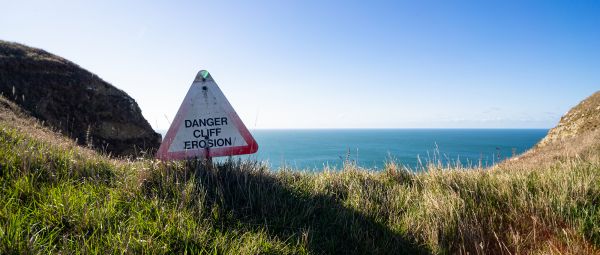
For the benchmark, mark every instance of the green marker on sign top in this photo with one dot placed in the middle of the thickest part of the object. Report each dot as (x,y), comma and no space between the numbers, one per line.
(204,74)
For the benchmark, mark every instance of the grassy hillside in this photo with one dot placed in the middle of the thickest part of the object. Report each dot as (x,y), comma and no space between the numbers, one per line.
(57,197)
(74,100)
(582,118)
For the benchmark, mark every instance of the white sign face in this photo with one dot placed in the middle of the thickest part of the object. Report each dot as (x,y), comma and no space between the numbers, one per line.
(206,125)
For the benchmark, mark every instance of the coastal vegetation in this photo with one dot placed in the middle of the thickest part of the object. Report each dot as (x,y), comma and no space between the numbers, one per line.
(59,197)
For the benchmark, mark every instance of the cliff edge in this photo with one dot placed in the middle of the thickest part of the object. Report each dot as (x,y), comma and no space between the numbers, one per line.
(581,119)
(75,101)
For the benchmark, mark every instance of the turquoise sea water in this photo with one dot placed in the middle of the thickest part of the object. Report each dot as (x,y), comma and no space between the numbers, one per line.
(370,148)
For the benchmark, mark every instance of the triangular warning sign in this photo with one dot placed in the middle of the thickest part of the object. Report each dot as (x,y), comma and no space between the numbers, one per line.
(206,125)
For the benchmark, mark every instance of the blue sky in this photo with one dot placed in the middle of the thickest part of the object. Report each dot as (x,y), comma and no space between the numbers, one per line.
(333,64)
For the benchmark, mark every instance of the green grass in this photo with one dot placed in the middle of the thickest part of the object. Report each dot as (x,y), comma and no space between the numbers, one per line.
(65,199)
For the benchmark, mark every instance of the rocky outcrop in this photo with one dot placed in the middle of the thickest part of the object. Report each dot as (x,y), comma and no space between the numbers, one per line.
(74,101)
(583,118)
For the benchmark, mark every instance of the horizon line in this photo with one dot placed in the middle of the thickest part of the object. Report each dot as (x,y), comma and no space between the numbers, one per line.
(398,128)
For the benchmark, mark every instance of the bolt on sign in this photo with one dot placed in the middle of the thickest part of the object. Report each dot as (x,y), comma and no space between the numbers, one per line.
(206,125)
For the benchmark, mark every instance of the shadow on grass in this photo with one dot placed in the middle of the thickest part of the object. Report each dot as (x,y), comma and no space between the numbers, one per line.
(248,195)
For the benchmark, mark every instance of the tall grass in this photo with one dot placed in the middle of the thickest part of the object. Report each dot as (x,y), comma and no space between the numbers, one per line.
(64,199)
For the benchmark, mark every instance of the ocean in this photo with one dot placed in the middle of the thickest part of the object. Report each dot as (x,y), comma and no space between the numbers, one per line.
(313,150)
(370,148)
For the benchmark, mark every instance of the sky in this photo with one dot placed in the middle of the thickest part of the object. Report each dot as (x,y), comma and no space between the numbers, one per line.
(333,64)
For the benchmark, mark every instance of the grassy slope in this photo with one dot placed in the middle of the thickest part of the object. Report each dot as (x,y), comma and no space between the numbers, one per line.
(580,119)
(58,197)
